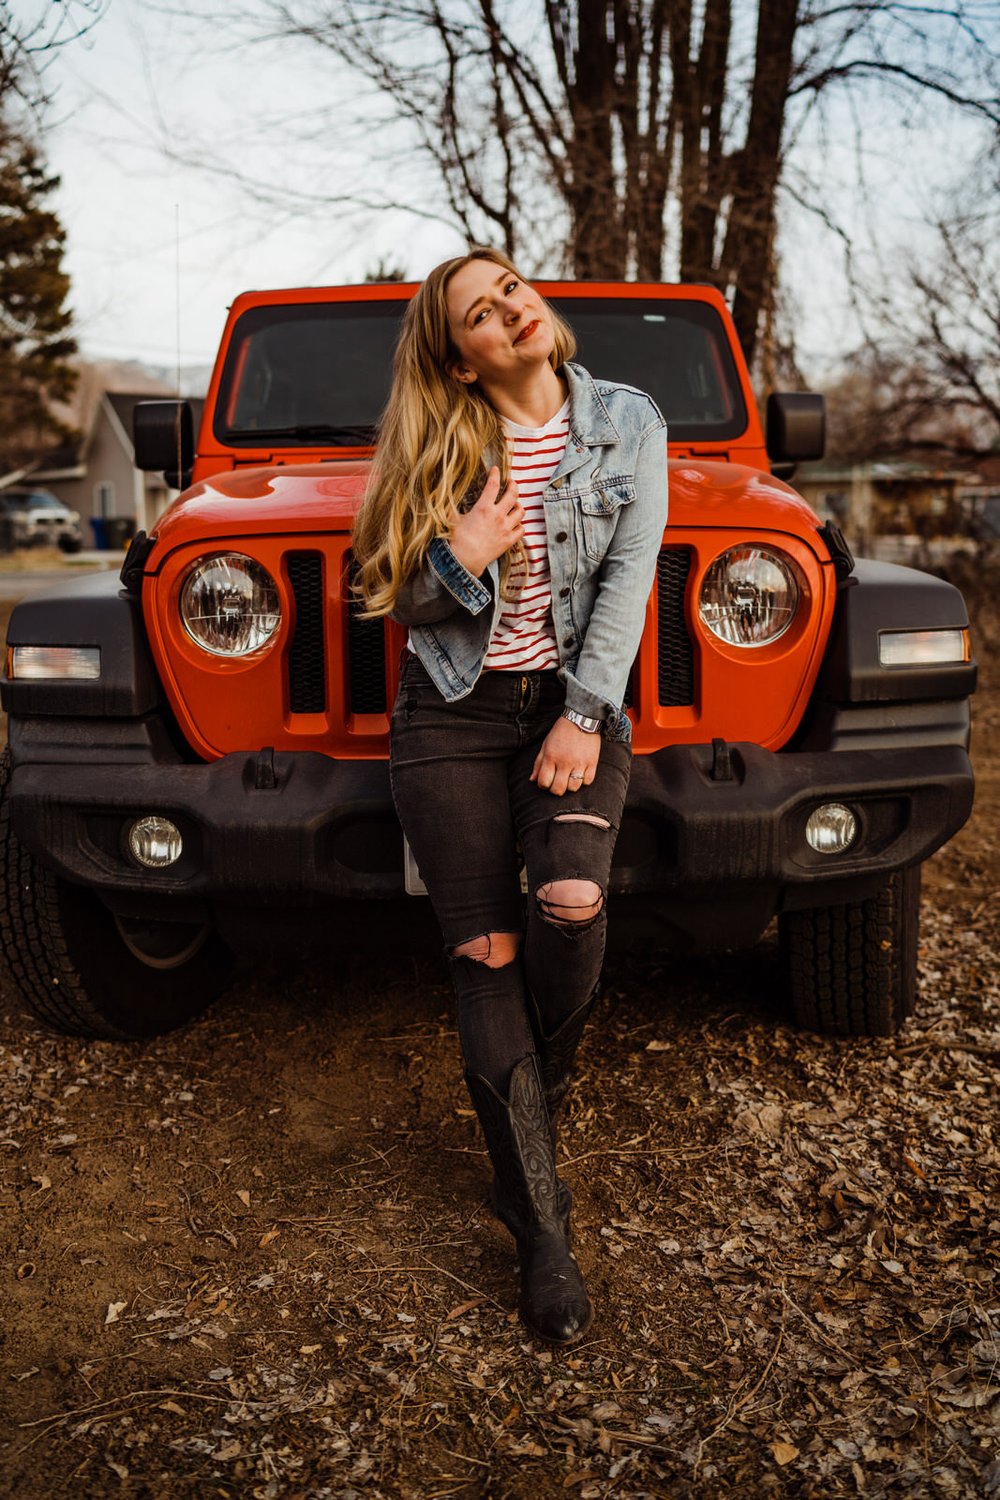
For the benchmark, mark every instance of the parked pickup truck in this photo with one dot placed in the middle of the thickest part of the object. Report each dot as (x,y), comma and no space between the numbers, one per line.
(198,751)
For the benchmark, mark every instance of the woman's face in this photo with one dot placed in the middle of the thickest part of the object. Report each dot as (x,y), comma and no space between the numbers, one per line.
(499,325)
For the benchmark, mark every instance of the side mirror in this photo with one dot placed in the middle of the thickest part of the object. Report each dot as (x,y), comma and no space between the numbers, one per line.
(163,438)
(796,427)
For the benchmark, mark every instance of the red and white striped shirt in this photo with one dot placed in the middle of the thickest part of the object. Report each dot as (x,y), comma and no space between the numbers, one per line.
(525,635)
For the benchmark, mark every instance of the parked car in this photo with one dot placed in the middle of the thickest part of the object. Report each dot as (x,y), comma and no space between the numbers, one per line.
(37,518)
(199,754)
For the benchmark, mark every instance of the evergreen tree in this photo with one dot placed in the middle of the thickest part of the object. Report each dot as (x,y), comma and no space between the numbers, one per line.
(35,342)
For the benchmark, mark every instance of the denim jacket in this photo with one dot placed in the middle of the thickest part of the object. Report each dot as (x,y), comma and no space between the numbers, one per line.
(605,510)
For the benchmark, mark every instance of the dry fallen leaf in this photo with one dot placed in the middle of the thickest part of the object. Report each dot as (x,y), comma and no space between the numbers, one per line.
(268,1237)
(114,1312)
(463,1307)
(244,1197)
(784,1452)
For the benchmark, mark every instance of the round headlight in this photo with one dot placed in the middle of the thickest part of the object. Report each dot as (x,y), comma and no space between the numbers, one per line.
(229,605)
(749,596)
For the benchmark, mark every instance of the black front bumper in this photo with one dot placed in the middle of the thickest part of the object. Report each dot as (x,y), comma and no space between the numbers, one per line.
(702,825)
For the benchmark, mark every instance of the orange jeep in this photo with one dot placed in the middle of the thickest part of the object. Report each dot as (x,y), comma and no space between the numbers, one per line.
(201,747)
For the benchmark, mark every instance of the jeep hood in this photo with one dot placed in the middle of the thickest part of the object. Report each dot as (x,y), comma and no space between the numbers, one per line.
(302,498)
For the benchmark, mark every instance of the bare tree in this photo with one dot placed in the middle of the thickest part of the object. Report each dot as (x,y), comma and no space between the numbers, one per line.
(29,38)
(928,381)
(640,135)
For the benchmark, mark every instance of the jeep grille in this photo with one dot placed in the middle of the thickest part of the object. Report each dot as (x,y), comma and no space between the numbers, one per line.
(307,656)
(675,657)
(366,640)
(365,655)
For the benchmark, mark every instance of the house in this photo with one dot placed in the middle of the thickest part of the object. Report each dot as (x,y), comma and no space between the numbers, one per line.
(96,475)
(878,499)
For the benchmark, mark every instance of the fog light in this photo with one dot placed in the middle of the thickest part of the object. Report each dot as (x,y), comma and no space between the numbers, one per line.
(831,828)
(155,842)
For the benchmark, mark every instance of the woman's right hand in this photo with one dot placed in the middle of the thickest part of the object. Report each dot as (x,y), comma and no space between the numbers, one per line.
(489,528)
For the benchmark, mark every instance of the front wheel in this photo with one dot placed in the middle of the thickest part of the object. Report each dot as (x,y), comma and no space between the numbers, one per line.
(84,971)
(851,970)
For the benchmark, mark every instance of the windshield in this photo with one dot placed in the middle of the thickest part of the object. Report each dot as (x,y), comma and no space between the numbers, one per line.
(320,371)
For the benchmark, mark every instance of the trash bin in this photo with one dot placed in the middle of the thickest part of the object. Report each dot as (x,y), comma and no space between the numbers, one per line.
(119,530)
(99,526)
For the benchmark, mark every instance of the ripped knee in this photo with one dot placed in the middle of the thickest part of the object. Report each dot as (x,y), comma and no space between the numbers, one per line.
(572,905)
(494,949)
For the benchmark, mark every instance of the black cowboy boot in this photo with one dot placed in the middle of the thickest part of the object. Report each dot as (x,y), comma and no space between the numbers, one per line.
(555,1060)
(556,1054)
(554,1301)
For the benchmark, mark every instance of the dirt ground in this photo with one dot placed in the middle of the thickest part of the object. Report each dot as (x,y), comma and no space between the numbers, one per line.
(254,1258)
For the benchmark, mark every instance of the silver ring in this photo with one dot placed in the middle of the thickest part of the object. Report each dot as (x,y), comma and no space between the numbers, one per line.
(576,775)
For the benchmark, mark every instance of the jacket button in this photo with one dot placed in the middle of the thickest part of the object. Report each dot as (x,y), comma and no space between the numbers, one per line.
(564,593)
(560,536)
(569,640)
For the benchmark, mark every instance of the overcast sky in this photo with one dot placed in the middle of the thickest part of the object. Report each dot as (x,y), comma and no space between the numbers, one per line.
(140,225)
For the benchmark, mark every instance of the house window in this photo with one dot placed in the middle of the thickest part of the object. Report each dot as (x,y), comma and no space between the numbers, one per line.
(105,498)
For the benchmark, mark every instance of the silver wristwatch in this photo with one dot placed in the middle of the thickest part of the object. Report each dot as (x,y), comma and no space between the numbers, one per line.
(589,726)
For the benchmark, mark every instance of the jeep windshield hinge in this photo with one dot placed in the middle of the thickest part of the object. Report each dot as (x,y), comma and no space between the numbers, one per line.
(135,560)
(840,553)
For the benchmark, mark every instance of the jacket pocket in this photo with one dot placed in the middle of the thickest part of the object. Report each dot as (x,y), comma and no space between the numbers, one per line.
(599,510)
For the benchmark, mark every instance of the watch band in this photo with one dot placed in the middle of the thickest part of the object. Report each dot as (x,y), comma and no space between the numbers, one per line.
(589,726)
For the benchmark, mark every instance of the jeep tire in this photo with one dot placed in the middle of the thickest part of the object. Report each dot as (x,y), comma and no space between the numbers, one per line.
(851,970)
(83,971)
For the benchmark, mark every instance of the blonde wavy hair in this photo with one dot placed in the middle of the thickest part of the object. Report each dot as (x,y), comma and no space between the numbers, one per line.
(437,439)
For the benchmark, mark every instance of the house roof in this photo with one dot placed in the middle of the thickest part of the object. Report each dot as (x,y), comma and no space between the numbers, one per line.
(879,471)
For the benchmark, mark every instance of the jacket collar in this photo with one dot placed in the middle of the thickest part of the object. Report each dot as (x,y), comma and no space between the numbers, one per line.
(590,426)
(589,422)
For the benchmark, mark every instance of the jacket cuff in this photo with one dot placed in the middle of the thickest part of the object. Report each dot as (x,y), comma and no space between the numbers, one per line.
(456,578)
(585,702)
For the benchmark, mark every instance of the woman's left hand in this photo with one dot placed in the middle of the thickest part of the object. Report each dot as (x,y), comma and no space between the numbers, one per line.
(567,760)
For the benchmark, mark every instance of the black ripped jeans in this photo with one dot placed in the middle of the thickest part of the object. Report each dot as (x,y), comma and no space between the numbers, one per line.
(460,784)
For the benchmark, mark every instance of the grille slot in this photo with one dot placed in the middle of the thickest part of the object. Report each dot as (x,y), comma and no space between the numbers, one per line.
(675,656)
(365,655)
(307,655)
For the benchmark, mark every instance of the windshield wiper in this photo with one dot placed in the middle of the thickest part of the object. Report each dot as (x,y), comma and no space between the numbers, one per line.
(357,434)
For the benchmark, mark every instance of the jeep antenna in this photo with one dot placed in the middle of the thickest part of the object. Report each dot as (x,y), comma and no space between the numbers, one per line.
(177,302)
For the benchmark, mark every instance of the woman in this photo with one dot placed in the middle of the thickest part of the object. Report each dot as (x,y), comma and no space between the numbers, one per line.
(512,521)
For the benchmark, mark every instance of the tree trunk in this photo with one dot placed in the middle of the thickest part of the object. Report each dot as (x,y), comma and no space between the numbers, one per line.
(586,58)
(704,166)
(756,169)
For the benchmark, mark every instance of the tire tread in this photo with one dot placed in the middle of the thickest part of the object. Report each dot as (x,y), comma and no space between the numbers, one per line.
(851,969)
(112,997)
